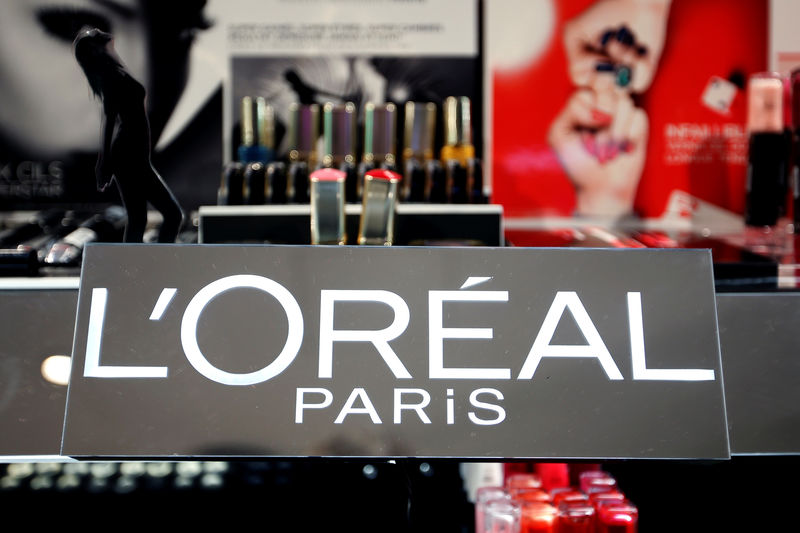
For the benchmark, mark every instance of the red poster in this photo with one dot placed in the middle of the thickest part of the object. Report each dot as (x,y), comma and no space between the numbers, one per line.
(621,103)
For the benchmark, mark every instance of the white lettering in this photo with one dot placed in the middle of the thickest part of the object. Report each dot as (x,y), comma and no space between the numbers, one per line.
(300,403)
(542,348)
(195,308)
(437,333)
(379,338)
(473,400)
(399,406)
(348,408)
(640,370)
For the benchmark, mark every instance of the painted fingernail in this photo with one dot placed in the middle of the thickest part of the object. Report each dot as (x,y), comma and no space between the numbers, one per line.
(612,150)
(625,36)
(641,50)
(626,146)
(607,37)
(604,67)
(622,75)
(601,117)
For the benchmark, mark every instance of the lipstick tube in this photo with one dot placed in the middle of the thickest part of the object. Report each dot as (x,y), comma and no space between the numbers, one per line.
(378,207)
(256,186)
(231,187)
(265,121)
(105,227)
(379,140)
(768,150)
(531,494)
(248,150)
(327,206)
(277,182)
(303,133)
(339,144)
(457,130)
(593,478)
(420,166)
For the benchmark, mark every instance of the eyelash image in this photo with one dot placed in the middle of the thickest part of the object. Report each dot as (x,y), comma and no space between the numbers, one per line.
(64,23)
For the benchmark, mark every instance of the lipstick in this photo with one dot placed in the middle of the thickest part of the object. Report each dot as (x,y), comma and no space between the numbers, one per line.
(105,227)
(231,187)
(248,148)
(501,516)
(537,517)
(482,496)
(265,121)
(303,133)
(767,156)
(327,206)
(379,139)
(378,207)
(457,130)
(256,187)
(420,168)
(339,144)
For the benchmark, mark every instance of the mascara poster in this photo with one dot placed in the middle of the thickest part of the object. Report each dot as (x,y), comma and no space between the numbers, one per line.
(336,352)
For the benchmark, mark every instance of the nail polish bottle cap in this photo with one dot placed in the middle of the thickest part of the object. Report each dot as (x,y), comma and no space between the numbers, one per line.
(247,121)
(265,118)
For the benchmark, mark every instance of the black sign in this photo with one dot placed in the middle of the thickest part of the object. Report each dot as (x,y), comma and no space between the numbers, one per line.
(759,338)
(37,329)
(214,350)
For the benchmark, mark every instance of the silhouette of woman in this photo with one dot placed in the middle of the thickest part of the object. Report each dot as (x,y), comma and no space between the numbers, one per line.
(125,146)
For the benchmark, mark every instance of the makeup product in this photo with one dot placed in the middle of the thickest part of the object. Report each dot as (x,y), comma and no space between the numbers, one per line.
(378,207)
(592,478)
(419,165)
(248,150)
(19,261)
(795,173)
(767,156)
(276,178)
(105,227)
(457,130)
(482,496)
(327,206)
(620,517)
(531,494)
(339,144)
(523,479)
(231,188)
(379,139)
(256,186)
(303,133)
(265,127)
(537,517)
(501,516)
(575,517)
(35,226)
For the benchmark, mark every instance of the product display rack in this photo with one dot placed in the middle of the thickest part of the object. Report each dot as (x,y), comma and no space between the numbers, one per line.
(415,494)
